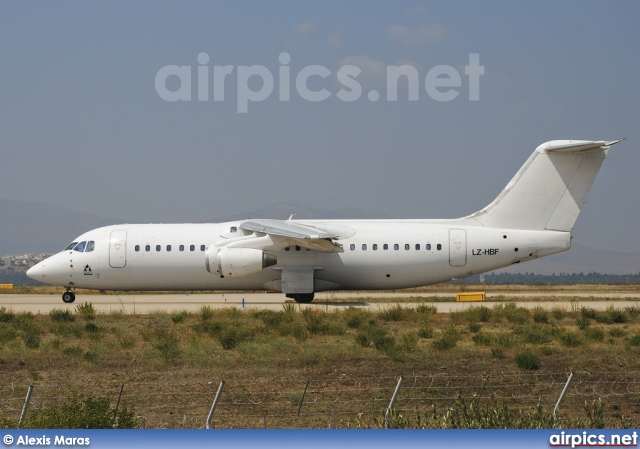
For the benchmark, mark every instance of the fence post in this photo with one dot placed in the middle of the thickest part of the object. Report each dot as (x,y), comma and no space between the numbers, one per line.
(115,413)
(303,395)
(393,399)
(26,404)
(482,391)
(564,391)
(213,406)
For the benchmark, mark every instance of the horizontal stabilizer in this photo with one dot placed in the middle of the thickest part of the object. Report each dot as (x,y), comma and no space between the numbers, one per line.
(577,145)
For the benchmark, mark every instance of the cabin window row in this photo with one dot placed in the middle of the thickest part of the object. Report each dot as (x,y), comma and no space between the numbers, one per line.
(396,247)
(168,248)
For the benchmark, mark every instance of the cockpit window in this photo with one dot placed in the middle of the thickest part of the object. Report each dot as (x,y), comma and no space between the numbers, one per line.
(80,247)
(91,245)
(71,246)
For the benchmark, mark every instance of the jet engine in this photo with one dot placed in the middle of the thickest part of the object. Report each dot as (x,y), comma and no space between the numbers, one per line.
(237,262)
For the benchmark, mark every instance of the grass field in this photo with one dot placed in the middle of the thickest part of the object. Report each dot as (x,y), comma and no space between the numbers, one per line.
(171,364)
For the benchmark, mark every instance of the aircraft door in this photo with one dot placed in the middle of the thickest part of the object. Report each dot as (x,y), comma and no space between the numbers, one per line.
(457,247)
(118,249)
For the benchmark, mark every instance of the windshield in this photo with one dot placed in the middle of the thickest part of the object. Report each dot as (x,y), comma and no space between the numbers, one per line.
(71,246)
(80,247)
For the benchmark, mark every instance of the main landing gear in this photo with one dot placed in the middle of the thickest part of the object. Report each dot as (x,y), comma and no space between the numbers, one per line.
(301,298)
(68,297)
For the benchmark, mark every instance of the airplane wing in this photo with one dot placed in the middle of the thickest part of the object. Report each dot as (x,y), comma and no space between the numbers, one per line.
(276,234)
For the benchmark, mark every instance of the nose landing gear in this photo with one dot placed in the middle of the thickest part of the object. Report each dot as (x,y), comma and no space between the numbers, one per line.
(68,297)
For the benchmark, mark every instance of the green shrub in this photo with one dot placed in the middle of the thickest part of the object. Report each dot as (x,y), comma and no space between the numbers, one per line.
(534,334)
(475,327)
(517,315)
(395,313)
(166,342)
(271,318)
(635,340)
(558,314)
(7,334)
(582,322)
(82,412)
(482,339)
(92,328)
(540,315)
(31,340)
(426,332)
(448,340)
(293,328)
(570,338)
(617,316)
(86,311)
(61,315)
(179,317)
(5,316)
(383,342)
(594,334)
(355,318)
(617,332)
(408,341)
(206,312)
(588,313)
(527,360)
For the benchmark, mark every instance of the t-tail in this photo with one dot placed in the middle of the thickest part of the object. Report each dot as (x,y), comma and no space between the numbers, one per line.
(547,193)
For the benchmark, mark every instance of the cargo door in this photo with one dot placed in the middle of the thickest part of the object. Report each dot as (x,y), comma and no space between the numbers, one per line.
(118,249)
(457,247)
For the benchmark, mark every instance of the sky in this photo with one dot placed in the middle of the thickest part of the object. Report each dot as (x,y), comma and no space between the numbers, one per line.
(98,116)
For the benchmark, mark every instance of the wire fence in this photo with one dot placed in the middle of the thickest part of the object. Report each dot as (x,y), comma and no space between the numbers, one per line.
(166,401)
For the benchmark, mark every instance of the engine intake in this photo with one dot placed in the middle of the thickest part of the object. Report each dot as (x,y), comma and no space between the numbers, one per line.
(237,262)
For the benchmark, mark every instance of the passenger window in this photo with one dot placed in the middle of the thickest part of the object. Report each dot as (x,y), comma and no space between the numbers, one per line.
(385,247)
(417,246)
(233,229)
(158,248)
(192,248)
(375,247)
(80,247)
(428,246)
(364,247)
(181,247)
(147,248)
(396,246)
(352,247)
(201,247)
(91,245)
(168,247)
(439,247)
(407,246)
(137,248)
(71,246)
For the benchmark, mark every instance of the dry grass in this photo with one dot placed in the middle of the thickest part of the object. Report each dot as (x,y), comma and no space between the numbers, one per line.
(171,363)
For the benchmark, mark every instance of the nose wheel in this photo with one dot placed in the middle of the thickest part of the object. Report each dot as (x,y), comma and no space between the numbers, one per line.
(68,297)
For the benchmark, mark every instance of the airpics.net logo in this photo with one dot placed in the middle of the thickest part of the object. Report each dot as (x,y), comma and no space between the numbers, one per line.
(314,83)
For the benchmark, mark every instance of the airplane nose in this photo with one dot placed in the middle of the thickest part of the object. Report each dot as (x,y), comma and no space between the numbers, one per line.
(35,272)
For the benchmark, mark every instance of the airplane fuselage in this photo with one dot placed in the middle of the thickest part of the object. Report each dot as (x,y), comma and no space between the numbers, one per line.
(384,254)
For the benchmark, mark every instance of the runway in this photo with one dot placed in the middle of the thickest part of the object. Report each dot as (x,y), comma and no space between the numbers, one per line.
(152,303)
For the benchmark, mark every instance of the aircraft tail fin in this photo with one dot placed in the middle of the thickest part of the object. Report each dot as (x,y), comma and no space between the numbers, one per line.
(550,188)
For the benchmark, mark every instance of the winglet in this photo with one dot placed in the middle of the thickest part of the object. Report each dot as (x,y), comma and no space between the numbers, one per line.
(291,217)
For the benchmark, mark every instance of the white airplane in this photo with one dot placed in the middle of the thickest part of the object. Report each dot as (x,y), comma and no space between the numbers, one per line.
(532,217)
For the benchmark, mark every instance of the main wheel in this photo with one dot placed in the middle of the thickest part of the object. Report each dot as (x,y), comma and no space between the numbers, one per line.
(303,298)
(68,297)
